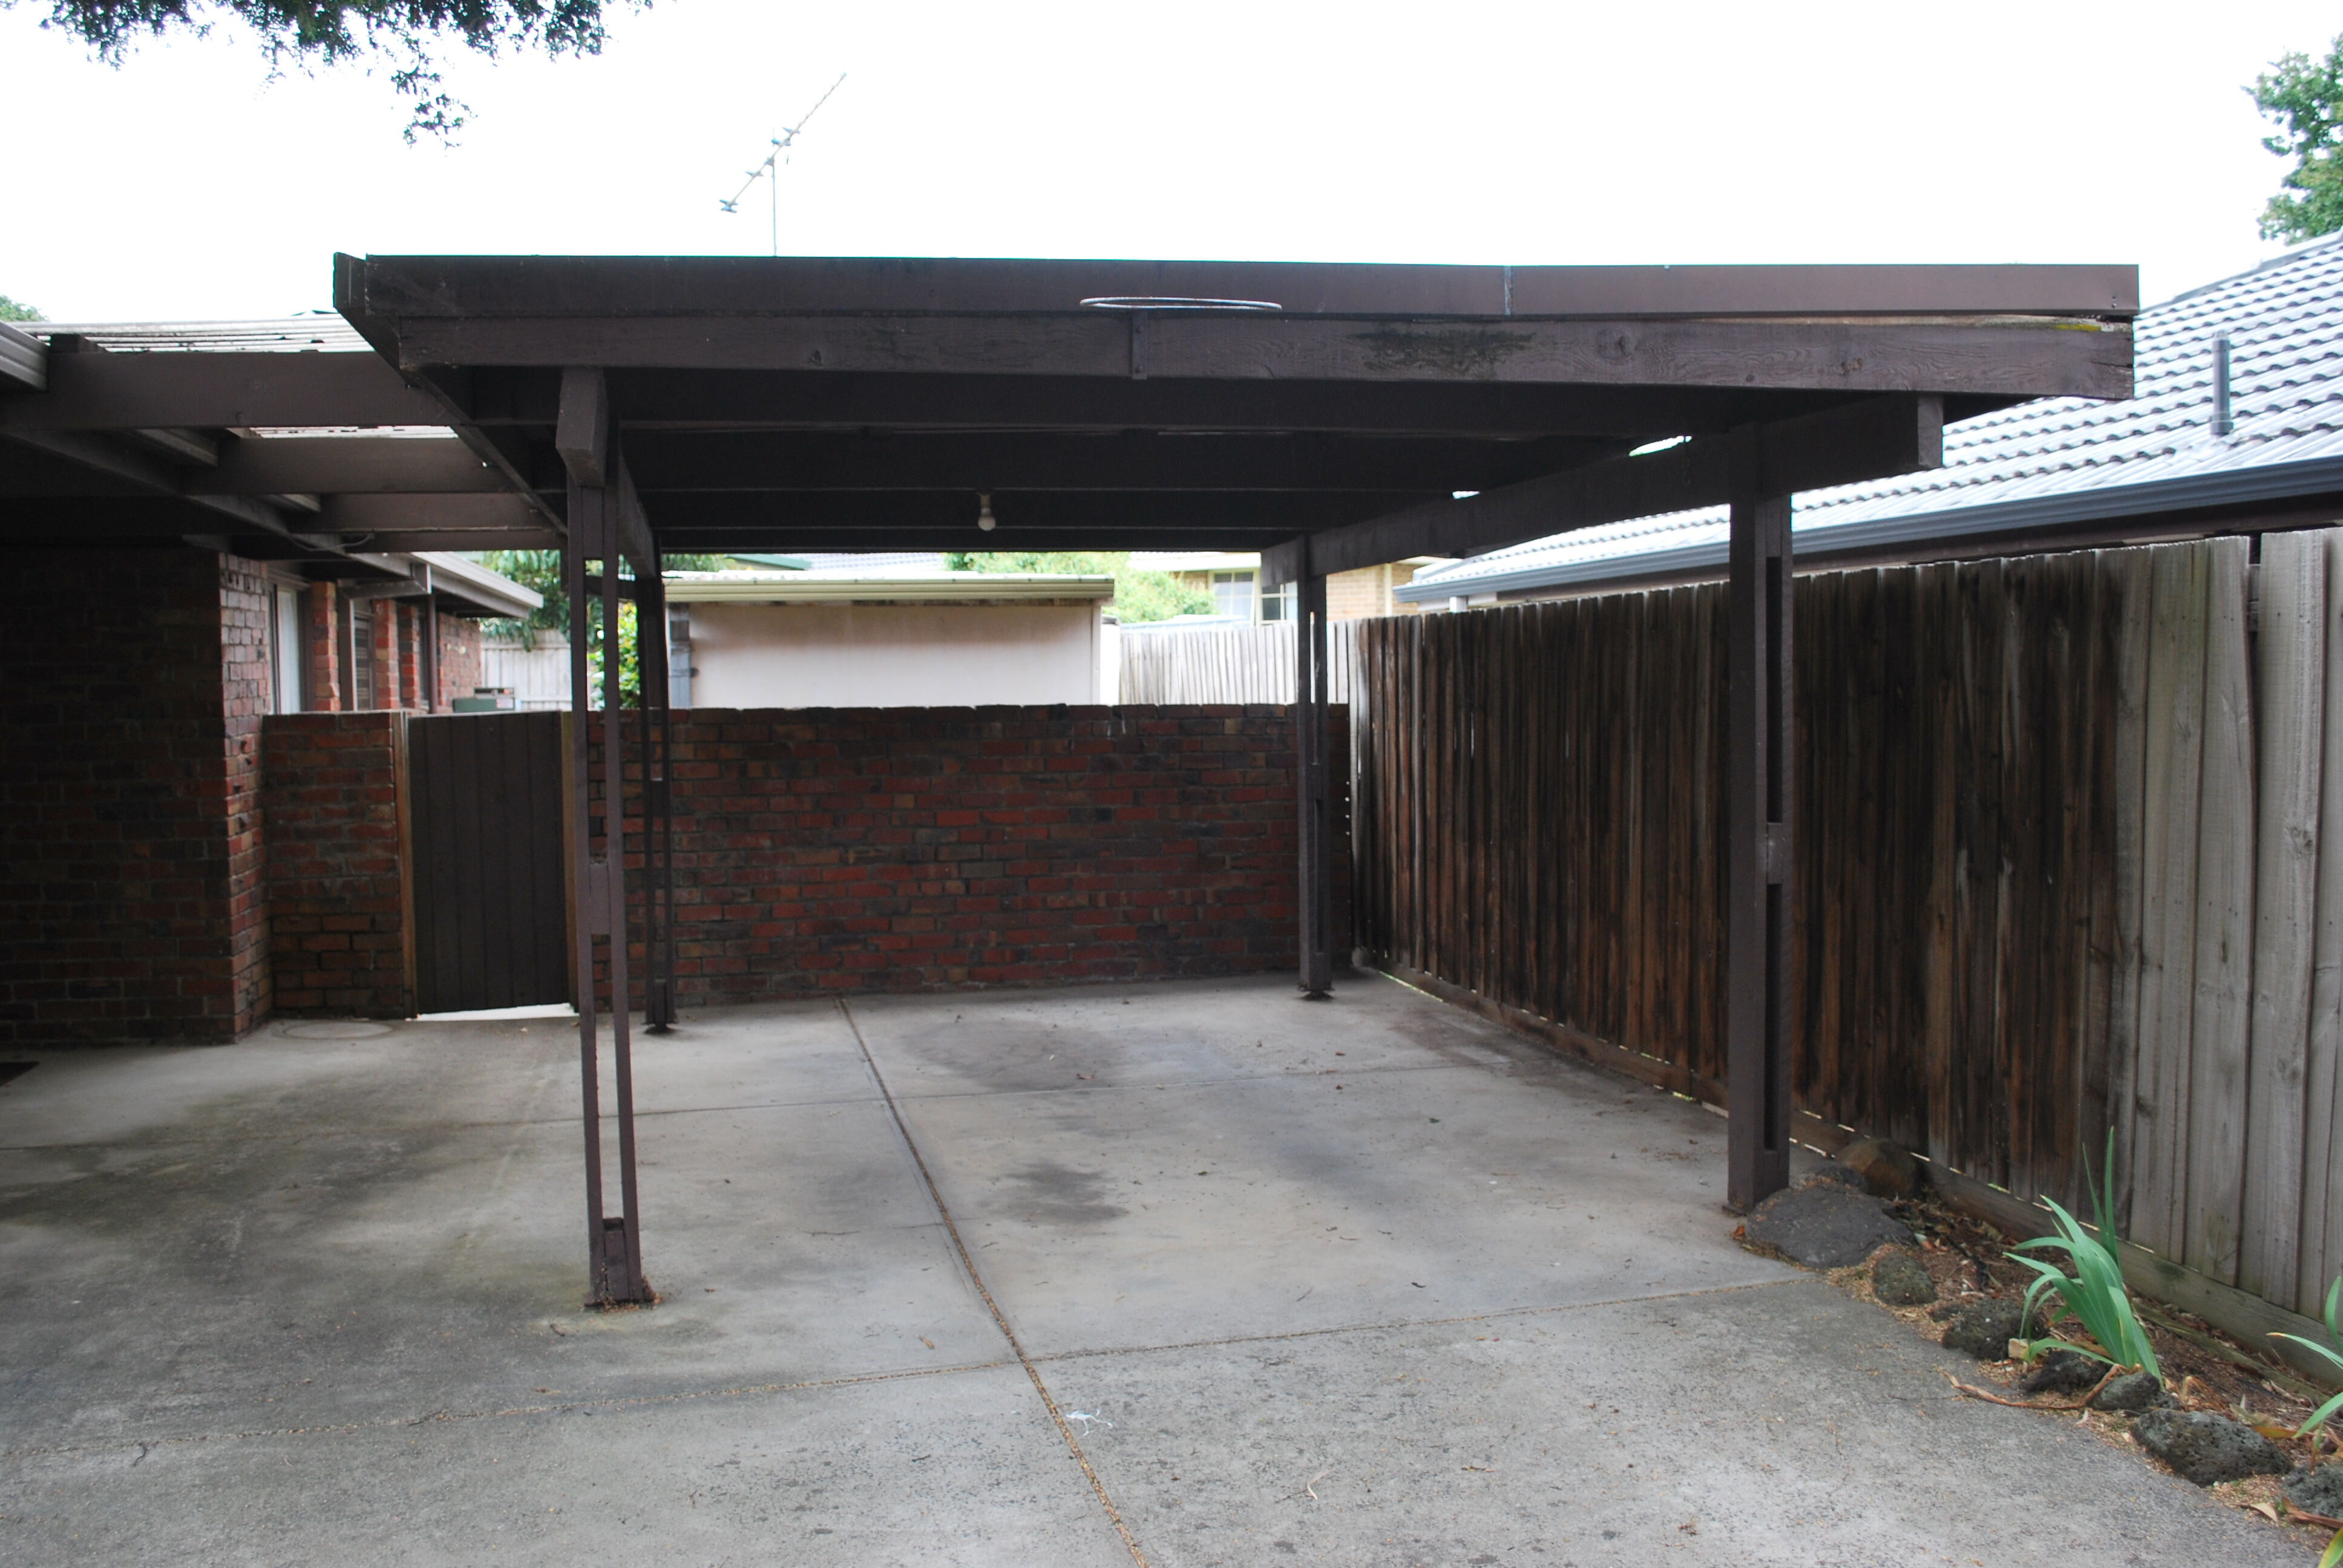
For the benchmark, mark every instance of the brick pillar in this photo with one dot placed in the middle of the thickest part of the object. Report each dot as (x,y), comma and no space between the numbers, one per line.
(322,688)
(408,618)
(385,653)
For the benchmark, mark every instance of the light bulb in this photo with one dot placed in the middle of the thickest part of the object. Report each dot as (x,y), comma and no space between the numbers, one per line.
(984,512)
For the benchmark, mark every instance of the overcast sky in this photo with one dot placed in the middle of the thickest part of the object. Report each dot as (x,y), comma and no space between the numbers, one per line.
(186,185)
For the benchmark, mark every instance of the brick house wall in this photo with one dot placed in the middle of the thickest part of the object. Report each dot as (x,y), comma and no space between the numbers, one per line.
(1357,595)
(337,941)
(459,658)
(913,849)
(130,852)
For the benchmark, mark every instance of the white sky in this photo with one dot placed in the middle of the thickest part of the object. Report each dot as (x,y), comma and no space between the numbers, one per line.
(185,184)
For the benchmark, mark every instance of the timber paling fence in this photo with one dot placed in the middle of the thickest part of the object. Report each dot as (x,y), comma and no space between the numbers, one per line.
(2059,865)
(1225,664)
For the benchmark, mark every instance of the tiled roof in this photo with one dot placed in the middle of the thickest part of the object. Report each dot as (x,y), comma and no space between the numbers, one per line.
(2060,460)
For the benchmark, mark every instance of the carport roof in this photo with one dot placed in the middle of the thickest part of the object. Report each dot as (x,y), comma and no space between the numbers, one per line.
(842,404)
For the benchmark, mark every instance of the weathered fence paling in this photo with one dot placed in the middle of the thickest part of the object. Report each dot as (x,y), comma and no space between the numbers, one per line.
(2059,824)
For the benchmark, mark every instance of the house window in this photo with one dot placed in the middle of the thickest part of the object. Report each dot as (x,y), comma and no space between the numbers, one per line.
(362,692)
(1278,606)
(285,649)
(1232,595)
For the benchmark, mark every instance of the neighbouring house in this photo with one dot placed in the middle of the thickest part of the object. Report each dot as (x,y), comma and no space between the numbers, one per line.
(1232,579)
(2236,428)
(865,636)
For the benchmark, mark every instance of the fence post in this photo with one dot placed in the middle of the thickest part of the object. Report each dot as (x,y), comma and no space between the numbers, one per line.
(1757,834)
(1317,966)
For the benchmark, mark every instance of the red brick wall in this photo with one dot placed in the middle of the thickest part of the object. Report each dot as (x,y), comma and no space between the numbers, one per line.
(321,686)
(129,853)
(336,939)
(906,849)
(246,685)
(459,658)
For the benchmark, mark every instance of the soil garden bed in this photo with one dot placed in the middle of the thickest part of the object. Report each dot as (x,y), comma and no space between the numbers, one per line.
(2205,1370)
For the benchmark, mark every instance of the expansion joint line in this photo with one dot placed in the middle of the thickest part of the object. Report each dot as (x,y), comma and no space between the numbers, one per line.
(999,1320)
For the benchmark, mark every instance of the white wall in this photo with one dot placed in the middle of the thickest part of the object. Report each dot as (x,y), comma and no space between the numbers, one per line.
(892,655)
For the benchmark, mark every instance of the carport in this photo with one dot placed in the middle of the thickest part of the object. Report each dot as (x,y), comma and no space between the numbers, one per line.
(1333,416)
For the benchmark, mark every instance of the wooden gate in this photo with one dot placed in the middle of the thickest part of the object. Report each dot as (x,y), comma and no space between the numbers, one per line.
(491,924)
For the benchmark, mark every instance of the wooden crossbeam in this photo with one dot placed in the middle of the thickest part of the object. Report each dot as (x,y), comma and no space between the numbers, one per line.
(2045,357)
(1105,461)
(216,391)
(388,514)
(325,465)
(1882,435)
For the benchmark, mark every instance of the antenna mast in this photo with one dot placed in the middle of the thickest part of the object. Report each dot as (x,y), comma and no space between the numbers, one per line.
(767,170)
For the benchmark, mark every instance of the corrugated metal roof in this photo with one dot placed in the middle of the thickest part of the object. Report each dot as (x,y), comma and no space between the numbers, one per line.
(283,334)
(2059,460)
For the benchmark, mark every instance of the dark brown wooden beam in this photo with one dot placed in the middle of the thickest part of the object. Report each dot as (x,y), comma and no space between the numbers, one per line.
(496,397)
(1069,516)
(447,514)
(2029,358)
(313,465)
(214,391)
(413,286)
(675,461)
(1884,436)
(718,541)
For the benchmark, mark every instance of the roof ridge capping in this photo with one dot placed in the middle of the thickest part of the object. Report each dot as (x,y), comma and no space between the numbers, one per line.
(2286,258)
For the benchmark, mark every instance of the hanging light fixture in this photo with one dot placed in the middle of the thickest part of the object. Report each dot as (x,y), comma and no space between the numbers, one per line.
(984,518)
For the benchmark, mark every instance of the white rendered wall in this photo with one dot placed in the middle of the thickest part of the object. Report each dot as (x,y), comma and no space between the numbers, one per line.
(892,655)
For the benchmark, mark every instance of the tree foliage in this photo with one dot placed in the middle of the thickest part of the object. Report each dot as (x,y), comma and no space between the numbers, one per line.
(1140,595)
(2306,97)
(10,310)
(407,36)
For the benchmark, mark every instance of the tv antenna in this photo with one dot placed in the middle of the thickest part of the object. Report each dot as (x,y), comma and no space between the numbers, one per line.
(767,170)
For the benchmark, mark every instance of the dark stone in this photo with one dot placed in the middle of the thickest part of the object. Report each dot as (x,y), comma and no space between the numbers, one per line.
(1983,1330)
(2132,1392)
(2318,1490)
(1824,1225)
(2063,1372)
(2203,1447)
(1832,1173)
(1898,1280)
(1888,1168)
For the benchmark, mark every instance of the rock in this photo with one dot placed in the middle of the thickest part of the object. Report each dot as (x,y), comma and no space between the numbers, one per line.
(1983,1330)
(1832,1173)
(2203,1447)
(2318,1490)
(1887,1167)
(2132,1392)
(1824,1225)
(2063,1372)
(1898,1280)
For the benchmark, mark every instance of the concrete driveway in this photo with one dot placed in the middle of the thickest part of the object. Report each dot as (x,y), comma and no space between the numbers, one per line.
(1187,1273)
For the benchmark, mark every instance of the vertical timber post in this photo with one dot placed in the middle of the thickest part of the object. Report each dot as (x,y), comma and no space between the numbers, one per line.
(1317,976)
(1758,845)
(659,835)
(596,529)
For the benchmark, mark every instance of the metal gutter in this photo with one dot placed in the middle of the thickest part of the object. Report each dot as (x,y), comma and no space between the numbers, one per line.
(455,577)
(1917,532)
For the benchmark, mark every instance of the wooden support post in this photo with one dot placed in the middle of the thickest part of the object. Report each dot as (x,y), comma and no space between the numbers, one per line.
(658,816)
(614,1259)
(1758,841)
(1317,968)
